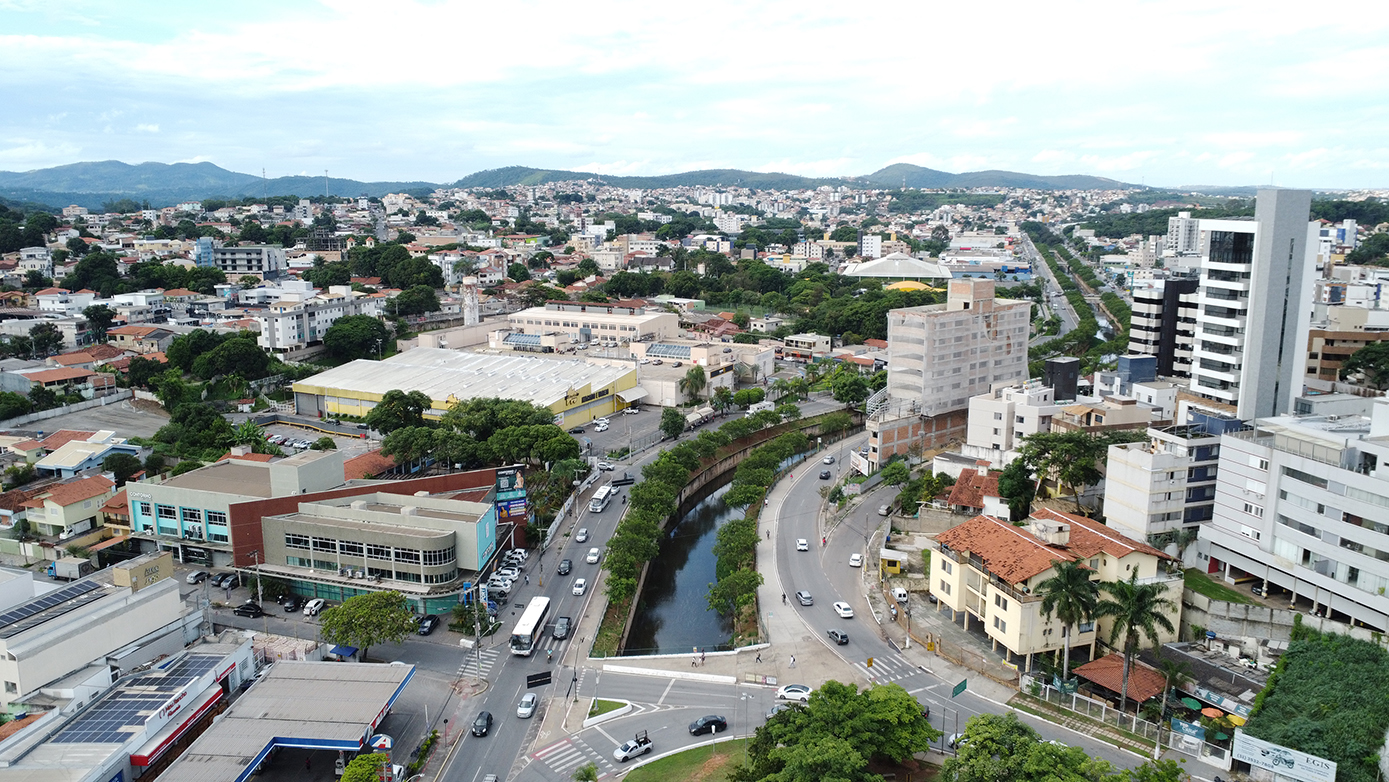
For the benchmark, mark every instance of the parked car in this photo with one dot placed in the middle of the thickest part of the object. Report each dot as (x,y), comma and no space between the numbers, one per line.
(794,692)
(562,626)
(509,573)
(292,604)
(314,607)
(483,724)
(230,581)
(579,586)
(564,567)
(601,428)
(844,610)
(955,740)
(581,536)
(197,577)
(803,597)
(576,430)
(838,636)
(427,624)
(526,708)
(710,724)
(631,411)
(777,709)
(825,475)
(855,560)
(251,609)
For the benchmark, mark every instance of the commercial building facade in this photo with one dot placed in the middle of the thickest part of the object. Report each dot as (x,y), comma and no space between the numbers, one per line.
(1163,323)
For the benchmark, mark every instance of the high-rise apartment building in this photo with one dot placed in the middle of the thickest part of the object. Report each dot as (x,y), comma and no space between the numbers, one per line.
(1163,323)
(1253,306)
(1183,235)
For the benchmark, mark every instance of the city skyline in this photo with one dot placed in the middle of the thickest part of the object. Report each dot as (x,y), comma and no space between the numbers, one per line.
(435,91)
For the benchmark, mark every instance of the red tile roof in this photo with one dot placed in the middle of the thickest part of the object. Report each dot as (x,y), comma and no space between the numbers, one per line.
(368,464)
(70,359)
(247,457)
(58,375)
(1009,552)
(1108,672)
(62,437)
(51,291)
(119,504)
(134,331)
(971,487)
(66,494)
(1089,537)
(14,499)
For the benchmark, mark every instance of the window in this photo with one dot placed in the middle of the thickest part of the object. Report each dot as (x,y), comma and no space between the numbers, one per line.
(299,561)
(1254,510)
(166,512)
(323,564)
(1001,601)
(998,416)
(407,555)
(217,517)
(376,572)
(219,537)
(11,688)
(1000,625)
(944,587)
(1299,475)
(405,575)
(296,541)
(192,516)
(440,578)
(946,566)
(442,557)
(378,552)
(349,549)
(325,544)
(145,509)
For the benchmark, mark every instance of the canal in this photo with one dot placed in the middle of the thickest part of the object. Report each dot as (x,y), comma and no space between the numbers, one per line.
(673,615)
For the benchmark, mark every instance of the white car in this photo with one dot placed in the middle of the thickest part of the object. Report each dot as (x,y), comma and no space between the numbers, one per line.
(855,560)
(592,557)
(601,428)
(794,692)
(844,610)
(827,460)
(313,607)
(604,421)
(581,536)
(579,586)
(526,708)
(802,545)
(509,573)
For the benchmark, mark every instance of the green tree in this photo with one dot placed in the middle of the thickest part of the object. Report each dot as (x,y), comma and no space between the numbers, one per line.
(1371,363)
(1015,485)
(672,423)
(357,336)
(788,412)
(43,398)
(748,397)
(849,388)
(588,268)
(366,620)
(13,404)
(734,591)
(99,318)
(586,773)
(142,370)
(154,464)
(1139,611)
(122,465)
(1072,597)
(518,272)
(398,410)
(415,300)
(722,399)
(896,474)
(365,768)
(248,281)
(324,443)
(1073,458)
(693,383)
(46,339)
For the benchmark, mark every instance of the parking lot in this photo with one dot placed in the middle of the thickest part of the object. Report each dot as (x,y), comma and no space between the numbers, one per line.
(350,446)
(623,430)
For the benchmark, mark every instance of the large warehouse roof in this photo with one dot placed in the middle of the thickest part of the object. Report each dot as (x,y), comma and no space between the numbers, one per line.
(442,374)
(898,265)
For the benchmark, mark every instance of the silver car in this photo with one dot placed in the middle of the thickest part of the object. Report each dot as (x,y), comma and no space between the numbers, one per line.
(526,709)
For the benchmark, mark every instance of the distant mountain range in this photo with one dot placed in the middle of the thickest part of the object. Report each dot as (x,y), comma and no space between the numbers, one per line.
(162,184)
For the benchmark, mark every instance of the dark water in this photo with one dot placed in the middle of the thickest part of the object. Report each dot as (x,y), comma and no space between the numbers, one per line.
(673,614)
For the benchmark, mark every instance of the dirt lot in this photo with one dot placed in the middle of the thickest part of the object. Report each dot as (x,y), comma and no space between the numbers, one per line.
(124,418)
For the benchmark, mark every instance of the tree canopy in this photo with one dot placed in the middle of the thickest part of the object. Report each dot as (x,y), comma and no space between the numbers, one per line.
(357,336)
(366,620)
(1371,363)
(398,410)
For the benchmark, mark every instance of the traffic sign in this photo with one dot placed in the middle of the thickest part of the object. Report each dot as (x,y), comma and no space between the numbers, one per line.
(959,688)
(537,679)
(870,662)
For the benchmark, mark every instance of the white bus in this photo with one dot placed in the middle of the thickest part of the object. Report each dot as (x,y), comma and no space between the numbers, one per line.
(531,627)
(601,499)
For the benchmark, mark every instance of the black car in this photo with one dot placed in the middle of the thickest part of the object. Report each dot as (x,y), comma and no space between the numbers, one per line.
(824,475)
(229,581)
(710,724)
(292,604)
(564,567)
(577,430)
(562,626)
(838,636)
(427,624)
(253,610)
(483,724)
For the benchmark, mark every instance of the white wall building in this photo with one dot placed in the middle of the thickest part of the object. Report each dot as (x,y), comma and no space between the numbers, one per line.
(999,419)
(302,315)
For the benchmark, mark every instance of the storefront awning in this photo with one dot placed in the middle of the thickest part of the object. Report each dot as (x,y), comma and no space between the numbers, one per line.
(632,394)
(155,747)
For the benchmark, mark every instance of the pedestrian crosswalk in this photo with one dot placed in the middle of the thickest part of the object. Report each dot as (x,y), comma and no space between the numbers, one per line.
(478,663)
(567,756)
(888,668)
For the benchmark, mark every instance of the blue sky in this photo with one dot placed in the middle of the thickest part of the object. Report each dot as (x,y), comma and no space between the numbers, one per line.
(1231,93)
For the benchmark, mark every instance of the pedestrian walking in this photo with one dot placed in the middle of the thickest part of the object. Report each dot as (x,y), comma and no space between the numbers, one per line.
(694,660)
(701,656)
(528,579)
(793,661)
(769,534)
(759,657)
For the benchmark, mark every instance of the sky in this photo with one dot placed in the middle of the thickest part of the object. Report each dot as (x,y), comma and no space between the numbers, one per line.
(1293,94)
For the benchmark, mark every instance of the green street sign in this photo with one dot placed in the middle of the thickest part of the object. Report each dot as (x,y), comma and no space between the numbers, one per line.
(959,688)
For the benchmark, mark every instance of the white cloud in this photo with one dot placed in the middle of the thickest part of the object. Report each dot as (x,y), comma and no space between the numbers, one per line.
(29,153)
(146,128)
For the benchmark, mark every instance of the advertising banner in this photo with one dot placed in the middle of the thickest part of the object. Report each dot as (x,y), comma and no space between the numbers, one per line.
(1281,760)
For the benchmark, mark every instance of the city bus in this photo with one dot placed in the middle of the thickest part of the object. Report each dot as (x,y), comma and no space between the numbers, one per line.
(531,627)
(601,499)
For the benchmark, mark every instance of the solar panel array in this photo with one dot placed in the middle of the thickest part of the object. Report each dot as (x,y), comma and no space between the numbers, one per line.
(37,611)
(522,339)
(115,718)
(663,350)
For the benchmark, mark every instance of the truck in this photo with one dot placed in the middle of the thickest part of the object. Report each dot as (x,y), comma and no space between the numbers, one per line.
(758,407)
(70,568)
(699,417)
(638,746)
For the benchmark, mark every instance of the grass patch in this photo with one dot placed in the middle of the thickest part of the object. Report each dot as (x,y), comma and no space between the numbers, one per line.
(601,706)
(610,630)
(1202,584)
(701,764)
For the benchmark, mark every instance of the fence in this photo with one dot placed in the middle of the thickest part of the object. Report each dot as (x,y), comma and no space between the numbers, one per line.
(987,665)
(44,415)
(1100,711)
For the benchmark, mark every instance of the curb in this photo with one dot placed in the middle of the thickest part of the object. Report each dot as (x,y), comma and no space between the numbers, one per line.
(625,708)
(714,678)
(664,755)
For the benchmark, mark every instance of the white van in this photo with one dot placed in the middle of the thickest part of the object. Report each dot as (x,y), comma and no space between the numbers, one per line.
(899,594)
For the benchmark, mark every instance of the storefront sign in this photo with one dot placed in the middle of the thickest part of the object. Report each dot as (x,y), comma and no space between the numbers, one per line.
(1282,761)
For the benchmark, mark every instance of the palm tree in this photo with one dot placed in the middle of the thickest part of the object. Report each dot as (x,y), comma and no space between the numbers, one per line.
(586,773)
(693,382)
(1138,610)
(781,387)
(1070,596)
(800,387)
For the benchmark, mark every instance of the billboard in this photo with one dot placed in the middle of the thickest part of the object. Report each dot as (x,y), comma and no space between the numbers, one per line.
(1282,761)
(510,478)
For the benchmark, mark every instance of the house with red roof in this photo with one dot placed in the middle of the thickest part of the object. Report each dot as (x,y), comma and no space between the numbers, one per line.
(989,576)
(70,508)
